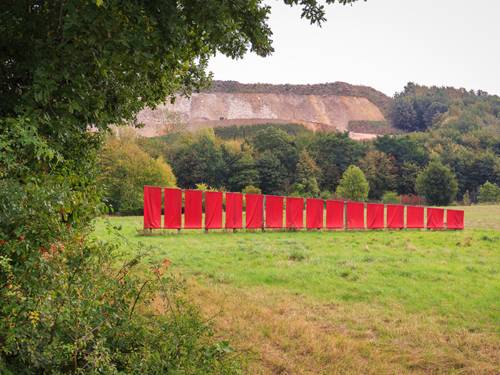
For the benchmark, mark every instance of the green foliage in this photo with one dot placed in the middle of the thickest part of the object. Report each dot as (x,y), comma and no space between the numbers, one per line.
(272,174)
(239,166)
(198,157)
(65,307)
(333,153)
(390,197)
(306,183)
(404,149)
(353,185)
(248,132)
(282,146)
(250,189)
(380,172)
(437,184)
(413,111)
(125,169)
(489,193)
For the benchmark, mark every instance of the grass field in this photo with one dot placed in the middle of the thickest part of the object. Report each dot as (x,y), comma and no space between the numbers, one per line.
(344,302)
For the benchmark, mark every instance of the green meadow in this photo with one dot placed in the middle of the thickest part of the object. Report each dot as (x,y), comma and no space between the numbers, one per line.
(395,301)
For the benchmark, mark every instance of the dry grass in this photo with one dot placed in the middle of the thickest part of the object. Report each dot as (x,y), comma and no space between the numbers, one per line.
(408,302)
(482,216)
(291,334)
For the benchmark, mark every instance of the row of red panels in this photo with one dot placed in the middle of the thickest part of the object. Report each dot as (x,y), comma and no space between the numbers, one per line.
(272,211)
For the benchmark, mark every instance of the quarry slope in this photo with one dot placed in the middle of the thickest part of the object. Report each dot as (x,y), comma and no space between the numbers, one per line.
(318,107)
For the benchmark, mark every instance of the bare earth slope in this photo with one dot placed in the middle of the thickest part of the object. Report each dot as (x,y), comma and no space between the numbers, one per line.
(230,103)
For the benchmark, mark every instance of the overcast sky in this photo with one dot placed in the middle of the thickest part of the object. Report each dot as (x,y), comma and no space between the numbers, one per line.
(380,43)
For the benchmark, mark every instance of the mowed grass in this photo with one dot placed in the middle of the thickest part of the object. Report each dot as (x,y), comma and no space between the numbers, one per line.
(344,302)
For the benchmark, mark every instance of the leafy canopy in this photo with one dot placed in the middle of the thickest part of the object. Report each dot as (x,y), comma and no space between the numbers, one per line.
(353,185)
(437,183)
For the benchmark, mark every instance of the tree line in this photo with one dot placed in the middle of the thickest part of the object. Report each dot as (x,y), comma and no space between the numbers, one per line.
(442,165)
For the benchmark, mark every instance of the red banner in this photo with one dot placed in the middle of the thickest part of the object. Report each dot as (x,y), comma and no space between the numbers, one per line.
(294,212)
(152,207)
(414,217)
(274,211)
(395,216)
(192,209)
(213,210)
(355,215)
(435,218)
(314,213)
(334,214)
(254,204)
(173,209)
(454,219)
(234,210)
(375,216)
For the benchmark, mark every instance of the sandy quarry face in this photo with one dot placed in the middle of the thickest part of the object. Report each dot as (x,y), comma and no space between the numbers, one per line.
(222,109)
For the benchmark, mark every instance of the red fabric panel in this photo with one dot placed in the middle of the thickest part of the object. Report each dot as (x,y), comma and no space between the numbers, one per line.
(414,217)
(213,210)
(294,212)
(454,219)
(395,216)
(152,207)
(173,209)
(254,204)
(192,209)
(334,214)
(355,215)
(314,213)
(234,210)
(435,218)
(375,216)
(274,211)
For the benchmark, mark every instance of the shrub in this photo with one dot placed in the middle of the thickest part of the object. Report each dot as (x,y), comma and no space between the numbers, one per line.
(489,193)
(353,185)
(65,306)
(126,168)
(390,197)
(437,183)
(412,199)
(250,189)
(326,194)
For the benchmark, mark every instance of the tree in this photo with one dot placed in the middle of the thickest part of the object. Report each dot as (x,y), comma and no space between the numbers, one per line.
(416,108)
(437,184)
(404,149)
(306,183)
(380,172)
(281,144)
(67,67)
(239,166)
(272,174)
(407,178)
(125,170)
(353,185)
(198,158)
(333,153)
(489,193)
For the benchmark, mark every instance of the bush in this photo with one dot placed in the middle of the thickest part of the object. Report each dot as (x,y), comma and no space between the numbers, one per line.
(437,183)
(489,193)
(390,197)
(65,307)
(353,185)
(250,189)
(126,168)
